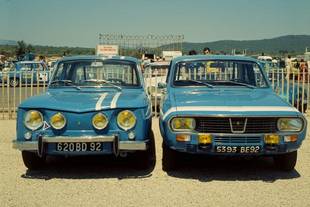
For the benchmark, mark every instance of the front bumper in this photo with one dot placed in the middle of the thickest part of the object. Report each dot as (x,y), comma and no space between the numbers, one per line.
(118,145)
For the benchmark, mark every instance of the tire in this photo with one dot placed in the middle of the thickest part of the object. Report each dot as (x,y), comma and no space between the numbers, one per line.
(32,161)
(286,162)
(146,159)
(14,83)
(171,159)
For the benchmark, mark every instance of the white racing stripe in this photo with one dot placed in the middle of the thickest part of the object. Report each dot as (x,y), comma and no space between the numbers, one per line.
(230,109)
(114,100)
(100,100)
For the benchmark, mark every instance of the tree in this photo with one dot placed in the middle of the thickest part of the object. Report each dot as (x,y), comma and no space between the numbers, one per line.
(30,48)
(21,48)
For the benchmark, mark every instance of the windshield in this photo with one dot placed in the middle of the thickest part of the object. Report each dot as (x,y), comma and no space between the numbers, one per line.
(219,73)
(96,73)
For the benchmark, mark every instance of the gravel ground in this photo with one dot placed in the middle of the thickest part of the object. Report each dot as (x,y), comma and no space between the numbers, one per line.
(200,181)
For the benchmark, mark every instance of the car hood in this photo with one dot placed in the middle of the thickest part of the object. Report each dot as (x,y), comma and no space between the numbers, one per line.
(243,102)
(86,101)
(228,98)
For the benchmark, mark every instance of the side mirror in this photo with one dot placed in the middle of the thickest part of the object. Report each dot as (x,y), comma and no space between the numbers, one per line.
(161,85)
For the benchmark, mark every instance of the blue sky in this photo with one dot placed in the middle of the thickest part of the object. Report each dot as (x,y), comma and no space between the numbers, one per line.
(78,22)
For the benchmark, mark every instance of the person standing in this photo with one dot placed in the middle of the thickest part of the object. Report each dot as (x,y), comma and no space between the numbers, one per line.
(288,66)
(206,51)
(192,52)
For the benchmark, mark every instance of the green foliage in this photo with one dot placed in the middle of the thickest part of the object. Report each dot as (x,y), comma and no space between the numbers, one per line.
(22,48)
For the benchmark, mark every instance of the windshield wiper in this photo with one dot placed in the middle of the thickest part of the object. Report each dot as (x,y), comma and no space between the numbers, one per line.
(103,81)
(66,82)
(238,83)
(195,82)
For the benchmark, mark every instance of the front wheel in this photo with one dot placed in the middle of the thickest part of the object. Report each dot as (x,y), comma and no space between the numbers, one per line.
(146,159)
(14,83)
(32,161)
(170,158)
(286,162)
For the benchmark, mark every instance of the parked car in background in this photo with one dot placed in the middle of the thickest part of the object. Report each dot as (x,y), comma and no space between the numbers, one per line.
(26,72)
(94,106)
(233,114)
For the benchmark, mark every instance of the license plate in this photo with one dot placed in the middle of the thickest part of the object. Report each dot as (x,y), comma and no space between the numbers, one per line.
(238,149)
(79,146)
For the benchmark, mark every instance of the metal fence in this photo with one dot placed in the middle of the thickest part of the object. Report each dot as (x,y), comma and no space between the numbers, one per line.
(15,87)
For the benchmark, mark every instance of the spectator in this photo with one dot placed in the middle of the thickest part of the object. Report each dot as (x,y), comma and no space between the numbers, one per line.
(192,52)
(288,66)
(206,51)
(303,68)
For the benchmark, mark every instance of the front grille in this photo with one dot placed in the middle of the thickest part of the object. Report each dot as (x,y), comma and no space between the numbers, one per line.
(237,140)
(252,125)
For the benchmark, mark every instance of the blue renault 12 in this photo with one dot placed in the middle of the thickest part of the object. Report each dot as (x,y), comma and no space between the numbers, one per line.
(224,105)
(94,106)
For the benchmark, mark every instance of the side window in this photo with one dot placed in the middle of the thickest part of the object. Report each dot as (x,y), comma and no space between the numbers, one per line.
(26,67)
(58,72)
(259,78)
(169,71)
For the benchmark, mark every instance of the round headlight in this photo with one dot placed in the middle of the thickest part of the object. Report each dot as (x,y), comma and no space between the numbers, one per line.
(58,121)
(100,121)
(290,124)
(183,124)
(126,119)
(33,120)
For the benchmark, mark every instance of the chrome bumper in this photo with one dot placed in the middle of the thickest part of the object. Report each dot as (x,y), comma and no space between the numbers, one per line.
(118,145)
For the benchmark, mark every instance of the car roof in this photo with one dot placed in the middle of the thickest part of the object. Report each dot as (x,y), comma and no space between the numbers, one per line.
(213,57)
(99,57)
(158,63)
(28,61)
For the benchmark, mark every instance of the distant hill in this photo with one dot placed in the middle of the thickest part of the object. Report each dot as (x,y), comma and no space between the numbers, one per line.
(290,44)
(7,42)
(294,44)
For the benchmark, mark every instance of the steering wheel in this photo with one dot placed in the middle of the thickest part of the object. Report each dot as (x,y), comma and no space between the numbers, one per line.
(113,80)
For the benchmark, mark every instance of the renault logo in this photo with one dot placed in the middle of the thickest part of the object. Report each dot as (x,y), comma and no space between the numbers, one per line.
(238,125)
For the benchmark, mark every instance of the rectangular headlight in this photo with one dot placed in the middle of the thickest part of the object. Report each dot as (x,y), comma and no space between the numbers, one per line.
(290,124)
(183,124)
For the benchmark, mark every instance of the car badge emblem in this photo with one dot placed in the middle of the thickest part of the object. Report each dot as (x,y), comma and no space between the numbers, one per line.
(238,126)
(46,126)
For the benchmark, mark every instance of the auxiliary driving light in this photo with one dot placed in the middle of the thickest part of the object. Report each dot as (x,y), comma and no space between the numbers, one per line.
(58,121)
(204,138)
(100,121)
(126,120)
(272,139)
(33,120)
